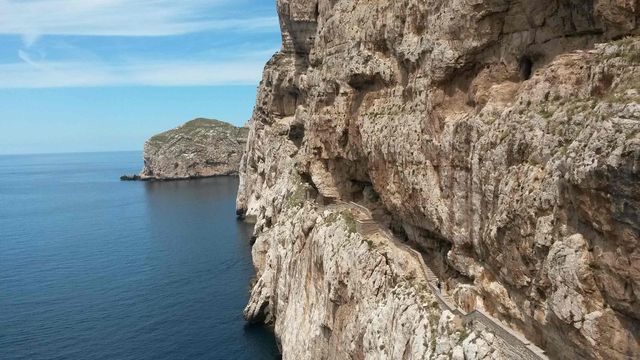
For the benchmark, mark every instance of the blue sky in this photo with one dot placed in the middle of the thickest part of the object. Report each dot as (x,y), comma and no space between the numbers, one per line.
(104,75)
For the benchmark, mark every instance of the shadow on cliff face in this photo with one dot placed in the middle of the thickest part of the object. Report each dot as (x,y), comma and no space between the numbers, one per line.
(605,209)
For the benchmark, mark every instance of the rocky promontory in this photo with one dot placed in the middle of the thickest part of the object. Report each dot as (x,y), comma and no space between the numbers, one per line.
(496,141)
(199,148)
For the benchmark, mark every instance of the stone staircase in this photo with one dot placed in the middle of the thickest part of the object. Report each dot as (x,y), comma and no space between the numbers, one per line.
(513,344)
(433,279)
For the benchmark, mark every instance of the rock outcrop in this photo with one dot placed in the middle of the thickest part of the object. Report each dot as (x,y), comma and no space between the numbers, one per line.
(499,138)
(199,148)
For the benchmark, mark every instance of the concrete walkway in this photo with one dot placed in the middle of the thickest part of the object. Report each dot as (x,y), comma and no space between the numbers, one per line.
(514,344)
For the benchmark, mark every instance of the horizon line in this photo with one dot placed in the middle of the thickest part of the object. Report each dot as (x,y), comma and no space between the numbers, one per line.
(70,152)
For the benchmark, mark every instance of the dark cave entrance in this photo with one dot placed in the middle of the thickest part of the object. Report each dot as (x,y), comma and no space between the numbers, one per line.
(526,67)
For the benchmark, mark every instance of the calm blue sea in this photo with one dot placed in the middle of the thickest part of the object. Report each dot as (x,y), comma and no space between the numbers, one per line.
(95,268)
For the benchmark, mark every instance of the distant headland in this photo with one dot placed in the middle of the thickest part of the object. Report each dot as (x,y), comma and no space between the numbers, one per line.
(197,149)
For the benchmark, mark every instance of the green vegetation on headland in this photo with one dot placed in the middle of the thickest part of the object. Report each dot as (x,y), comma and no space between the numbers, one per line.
(191,128)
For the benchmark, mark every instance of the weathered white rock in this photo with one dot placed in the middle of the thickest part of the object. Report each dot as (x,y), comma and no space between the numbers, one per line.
(199,148)
(494,135)
(458,353)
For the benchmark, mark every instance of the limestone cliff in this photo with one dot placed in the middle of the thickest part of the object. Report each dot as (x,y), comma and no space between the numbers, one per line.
(499,138)
(199,148)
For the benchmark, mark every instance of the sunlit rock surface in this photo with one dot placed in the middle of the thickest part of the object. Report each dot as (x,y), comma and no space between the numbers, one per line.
(500,138)
(199,148)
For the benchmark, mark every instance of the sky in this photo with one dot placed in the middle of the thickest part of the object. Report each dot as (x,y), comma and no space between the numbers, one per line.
(105,75)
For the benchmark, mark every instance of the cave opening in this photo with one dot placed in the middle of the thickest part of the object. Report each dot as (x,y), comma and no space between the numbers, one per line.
(296,133)
(526,67)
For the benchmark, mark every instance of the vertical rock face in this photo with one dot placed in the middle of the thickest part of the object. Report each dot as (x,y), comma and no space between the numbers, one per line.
(500,138)
(198,148)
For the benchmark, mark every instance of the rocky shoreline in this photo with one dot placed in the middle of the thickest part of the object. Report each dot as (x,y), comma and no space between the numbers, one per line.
(135,177)
(130,178)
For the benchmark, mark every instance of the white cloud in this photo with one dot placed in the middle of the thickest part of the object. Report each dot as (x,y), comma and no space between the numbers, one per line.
(30,74)
(24,56)
(33,18)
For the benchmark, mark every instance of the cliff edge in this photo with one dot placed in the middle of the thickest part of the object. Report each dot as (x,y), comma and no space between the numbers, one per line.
(199,148)
(499,139)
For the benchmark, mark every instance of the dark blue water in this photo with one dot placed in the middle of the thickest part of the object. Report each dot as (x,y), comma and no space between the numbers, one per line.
(95,268)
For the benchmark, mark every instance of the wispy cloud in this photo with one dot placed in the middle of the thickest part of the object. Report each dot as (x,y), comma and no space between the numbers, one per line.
(30,74)
(91,65)
(33,18)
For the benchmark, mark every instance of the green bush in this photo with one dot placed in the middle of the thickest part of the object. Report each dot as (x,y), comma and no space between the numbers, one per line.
(350,222)
(298,196)
(347,217)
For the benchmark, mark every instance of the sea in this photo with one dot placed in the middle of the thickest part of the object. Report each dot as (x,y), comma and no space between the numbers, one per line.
(95,268)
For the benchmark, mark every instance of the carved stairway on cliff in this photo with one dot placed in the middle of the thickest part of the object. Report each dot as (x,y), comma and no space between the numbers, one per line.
(514,345)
